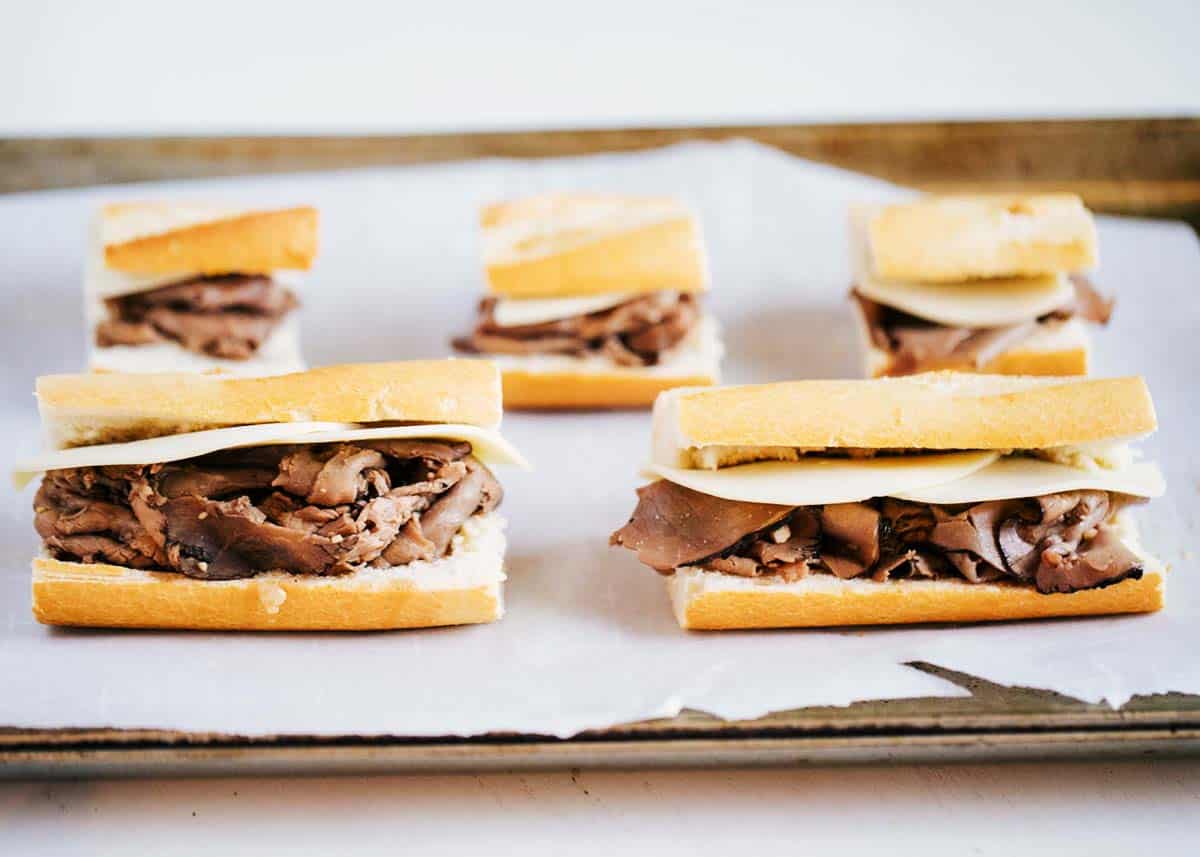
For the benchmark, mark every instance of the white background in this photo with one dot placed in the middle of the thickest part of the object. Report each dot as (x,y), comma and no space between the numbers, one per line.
(351,66)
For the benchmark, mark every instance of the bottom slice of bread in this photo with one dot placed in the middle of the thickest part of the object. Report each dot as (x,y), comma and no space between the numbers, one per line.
(553,381)
(1058,349)
(462,588)
(711,601)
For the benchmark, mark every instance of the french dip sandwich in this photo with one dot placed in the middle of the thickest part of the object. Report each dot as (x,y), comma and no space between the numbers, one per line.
(977,284)
(594,301)
(196,288)
(348,497)
(944,497)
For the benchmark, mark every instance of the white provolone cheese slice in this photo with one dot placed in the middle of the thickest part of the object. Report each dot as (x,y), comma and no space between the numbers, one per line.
(487,445)
(1018,476)
(515,312)
(817,480)
(987,303)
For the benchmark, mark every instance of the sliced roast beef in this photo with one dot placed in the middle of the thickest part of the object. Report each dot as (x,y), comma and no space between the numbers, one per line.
(916,345)
(177,481)
(674,526)
(478,489)
(850,538)
(222,316)
(325,509)
(1056,542)
(1088,304)
(634,333)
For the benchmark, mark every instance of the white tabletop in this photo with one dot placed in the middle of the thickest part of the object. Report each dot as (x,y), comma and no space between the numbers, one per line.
(73,66)
(1085,807)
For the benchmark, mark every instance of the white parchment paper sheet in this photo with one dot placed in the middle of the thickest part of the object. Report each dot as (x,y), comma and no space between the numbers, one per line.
(589,640)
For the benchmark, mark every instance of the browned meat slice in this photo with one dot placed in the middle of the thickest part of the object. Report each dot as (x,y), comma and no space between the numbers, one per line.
(232,336)
(175,481)
(1101,561)
(114,331)
(442,452)
(227,539)
(739,565)
(221,316)
(409,545)
(218,517)
(211,294)
(1058,542)
(341,480)
(476,491)
(634,333)
(1089,304)
(850,538)
(674,526)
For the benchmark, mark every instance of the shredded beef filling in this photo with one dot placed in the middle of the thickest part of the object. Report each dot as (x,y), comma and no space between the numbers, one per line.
(324,509)
(916,344)
(634,333)
(228,316)
(1057,542)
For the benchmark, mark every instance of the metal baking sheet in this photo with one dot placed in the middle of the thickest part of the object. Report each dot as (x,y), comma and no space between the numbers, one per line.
(994,723)
(991,722)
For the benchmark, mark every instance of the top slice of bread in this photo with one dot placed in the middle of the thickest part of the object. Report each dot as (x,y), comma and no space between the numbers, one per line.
(953,238)
(81,410)
(937,410)
(564,245)
(202,238)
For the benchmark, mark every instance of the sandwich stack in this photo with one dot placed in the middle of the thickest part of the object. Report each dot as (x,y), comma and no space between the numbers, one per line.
(944,497)
(976,283)
(197,288)
(594,301)
(349,497)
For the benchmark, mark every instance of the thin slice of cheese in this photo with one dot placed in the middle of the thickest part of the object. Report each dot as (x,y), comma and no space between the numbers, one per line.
(1019,476)
(487,445)
(515,312)
(976,303)
(987,303)
(817,480)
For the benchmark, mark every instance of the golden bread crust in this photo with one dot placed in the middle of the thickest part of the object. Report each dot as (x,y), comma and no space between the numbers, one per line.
(244,242)
(899,602)
(108,596)
(579,391)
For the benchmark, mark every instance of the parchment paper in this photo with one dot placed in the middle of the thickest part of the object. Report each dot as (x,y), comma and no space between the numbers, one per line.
(589,640)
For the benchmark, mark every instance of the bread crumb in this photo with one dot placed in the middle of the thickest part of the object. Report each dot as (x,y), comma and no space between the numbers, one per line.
(271,596)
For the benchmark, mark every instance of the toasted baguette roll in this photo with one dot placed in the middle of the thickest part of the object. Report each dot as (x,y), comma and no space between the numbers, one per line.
(587,244)
(937,410)
(167,238)
(80,410)
(464,588)
(952,238)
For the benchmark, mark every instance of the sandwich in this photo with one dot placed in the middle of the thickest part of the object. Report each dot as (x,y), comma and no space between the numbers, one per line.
(594,301)
(989,284)
(196,288)
(943,497)
(343,498)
